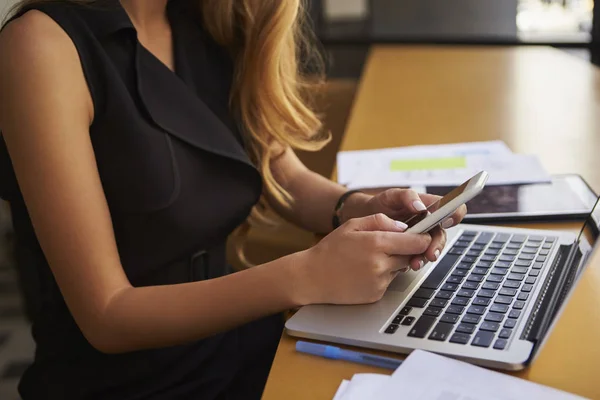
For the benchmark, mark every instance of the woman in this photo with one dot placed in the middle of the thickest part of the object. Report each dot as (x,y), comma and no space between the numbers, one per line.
(141,134)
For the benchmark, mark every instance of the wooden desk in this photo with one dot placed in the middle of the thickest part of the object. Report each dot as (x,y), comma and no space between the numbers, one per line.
(538,100)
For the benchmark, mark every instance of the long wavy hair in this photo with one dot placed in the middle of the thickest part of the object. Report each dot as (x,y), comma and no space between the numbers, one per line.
(271,45)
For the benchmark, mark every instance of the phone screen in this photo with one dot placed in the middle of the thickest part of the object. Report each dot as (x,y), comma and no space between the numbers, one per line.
(436,205)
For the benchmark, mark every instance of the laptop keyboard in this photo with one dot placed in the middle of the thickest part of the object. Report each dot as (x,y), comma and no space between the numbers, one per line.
(476,293)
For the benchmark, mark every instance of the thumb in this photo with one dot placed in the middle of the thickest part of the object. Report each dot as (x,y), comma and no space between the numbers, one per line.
(376,222)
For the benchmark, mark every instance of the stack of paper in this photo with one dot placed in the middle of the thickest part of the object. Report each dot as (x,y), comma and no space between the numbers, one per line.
(439,165)
(427,376)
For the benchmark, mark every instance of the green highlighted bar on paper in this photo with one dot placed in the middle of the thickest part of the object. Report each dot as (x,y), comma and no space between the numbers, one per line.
(428,164)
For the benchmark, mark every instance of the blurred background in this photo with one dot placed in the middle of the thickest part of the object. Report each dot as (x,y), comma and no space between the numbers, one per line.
(345,30)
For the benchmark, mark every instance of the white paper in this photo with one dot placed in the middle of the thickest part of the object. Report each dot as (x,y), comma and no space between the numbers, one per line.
(335,10)
(341,390)
(362,386)
(427,376)
(352,163)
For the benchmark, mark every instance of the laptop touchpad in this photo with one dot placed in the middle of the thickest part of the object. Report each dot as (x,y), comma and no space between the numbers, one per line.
(403,281)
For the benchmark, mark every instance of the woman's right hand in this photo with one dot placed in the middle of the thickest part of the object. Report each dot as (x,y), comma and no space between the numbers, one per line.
(356,263)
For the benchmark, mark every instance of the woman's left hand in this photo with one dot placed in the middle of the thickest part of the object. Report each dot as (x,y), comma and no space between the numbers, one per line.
(401,204)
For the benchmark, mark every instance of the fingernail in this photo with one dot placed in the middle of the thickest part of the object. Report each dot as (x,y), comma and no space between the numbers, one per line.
(447,223)
(419,206)
(436,254)
(401,225)
(421,263)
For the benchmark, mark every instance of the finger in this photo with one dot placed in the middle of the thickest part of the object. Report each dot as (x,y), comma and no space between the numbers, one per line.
(429,199)
(403,199)
(417,262)
(399,244)
(376,222)
(455,218)
(438,242)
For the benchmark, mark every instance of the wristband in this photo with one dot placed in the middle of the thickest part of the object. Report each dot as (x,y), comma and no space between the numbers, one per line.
(338,207)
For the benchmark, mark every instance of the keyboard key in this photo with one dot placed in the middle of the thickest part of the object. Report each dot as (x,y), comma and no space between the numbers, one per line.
(483,339)
(519,270)
(491,285)
(484,264)
(512,284)
(470,285)
(475,278)
(459,272)
(424,293)
(538,265)
(541,259)
(455,310)
(449,318)
(507,258)
(505,333)
(510,323)
(499,308)
(499,271)
(529,250)
(502,264)
(519,305)
(479,310)
(511,252)
(460,338)
(507,292)
(474,253)
(533,245)
(494,317)
(469,259)
(481,301)
(536,238)
(433,311)
(455,279)
(465,328)
(547,246)
(514,314)
(418,303)
(523,263)
(488,258)
(544,252)
(486,293)
(478,246)
(502,237)
(471,319)
(526,257)
(500,344)
(489,326)
(534,272)
(460,301)
(438,303)
(523,296)
(450,286)
(391,329)
(530,280)
(496,245)
(441,331)
(495,278)
(443,294)
(397,320)
(462,243)
(527,288)
(515,277)
(465,293)
(514,245)
(518,238)
(485,237)
(503,300)
(422,327)
(465,266)
(492,252)
(550,239)
(479,271)
(456,251)
(408,321)
(405,310)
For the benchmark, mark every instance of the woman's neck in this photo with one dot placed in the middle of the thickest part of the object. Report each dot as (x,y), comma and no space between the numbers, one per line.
(146,14)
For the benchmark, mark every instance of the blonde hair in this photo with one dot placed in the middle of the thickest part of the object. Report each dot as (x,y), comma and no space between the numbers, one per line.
(267,40)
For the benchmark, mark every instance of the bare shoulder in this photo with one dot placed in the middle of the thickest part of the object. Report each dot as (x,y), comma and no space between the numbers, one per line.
(36,47)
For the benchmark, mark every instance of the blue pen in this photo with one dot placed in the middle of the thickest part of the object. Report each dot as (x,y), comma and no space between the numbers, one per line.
(335,353)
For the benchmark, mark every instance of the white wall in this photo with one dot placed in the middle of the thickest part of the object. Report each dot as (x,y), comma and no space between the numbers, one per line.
(6,5)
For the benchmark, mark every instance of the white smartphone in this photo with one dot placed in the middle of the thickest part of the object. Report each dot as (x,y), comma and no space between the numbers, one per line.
(445,206)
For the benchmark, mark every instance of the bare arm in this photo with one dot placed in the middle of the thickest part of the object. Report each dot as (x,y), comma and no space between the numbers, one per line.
(45,113)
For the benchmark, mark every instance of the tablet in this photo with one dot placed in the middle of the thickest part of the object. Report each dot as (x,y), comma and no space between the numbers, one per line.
(567,197)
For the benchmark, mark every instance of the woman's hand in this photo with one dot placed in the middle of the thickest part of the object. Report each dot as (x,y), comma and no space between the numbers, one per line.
(355,263)
(400,205)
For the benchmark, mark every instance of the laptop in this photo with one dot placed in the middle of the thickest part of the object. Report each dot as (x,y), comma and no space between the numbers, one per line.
(490,299)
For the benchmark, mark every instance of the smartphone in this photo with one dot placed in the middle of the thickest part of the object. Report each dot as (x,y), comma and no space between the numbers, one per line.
(444,207)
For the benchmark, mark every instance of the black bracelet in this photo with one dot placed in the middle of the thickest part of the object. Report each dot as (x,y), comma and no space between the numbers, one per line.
(338,208)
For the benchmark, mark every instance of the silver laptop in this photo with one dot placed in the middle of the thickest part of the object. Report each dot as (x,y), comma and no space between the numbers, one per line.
(491,299)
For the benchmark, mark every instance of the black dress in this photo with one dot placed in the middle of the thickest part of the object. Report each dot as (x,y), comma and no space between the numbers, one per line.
(178,181)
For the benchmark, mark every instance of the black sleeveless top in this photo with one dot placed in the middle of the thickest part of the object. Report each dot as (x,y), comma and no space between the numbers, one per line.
(177,180)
